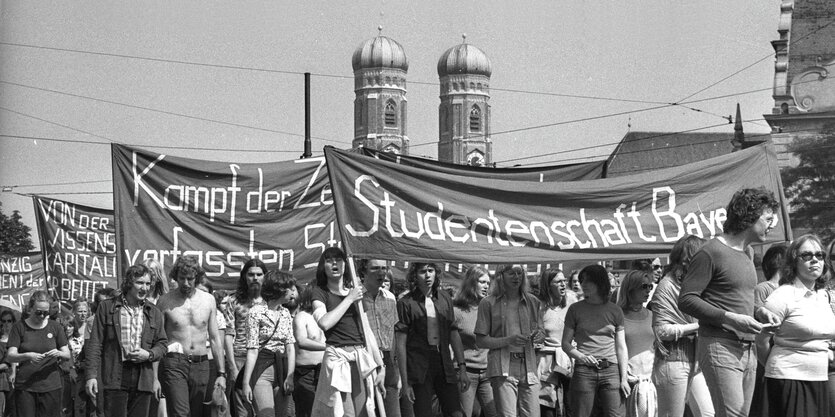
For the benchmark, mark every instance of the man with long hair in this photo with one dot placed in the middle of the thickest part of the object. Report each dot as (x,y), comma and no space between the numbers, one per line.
(508,324)
(718,290)
(246,296)
(190,318)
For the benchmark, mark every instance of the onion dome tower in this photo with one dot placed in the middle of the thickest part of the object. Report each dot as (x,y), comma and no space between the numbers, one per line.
(380,67)
(464,112)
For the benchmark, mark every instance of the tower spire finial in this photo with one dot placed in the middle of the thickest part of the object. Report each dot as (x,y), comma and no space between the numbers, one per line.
(464,36)
(380,30)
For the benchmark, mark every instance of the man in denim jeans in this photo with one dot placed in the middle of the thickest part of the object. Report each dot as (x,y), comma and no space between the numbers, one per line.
(190,316)
(719,291)
(508,324)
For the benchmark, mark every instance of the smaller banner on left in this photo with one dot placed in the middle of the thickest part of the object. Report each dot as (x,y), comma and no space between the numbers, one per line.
(21,274)
(79,248)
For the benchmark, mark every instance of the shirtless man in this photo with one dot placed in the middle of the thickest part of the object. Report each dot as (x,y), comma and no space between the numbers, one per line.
(189,315)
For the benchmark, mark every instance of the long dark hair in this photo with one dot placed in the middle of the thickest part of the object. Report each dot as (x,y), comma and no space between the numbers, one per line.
(242,292)
(468,295)
(599,277)
(545,288)
(682,254)
(322,277)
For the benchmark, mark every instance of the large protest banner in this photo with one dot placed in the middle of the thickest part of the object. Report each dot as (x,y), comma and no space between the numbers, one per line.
(21,274)
(79,247)
(403,212)
(222,212)
(227,212)
(570,172)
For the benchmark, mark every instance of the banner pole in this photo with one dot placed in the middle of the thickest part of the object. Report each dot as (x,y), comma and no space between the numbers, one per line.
(370,341)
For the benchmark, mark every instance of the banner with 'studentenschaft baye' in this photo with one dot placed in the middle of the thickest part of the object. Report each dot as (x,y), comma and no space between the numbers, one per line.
(396,211)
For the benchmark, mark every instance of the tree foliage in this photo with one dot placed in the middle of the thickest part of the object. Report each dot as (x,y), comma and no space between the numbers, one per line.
(15,236)
(810,186)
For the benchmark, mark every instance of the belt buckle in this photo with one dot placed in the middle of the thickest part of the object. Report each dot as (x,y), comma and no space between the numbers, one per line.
(189,358)
(603,364)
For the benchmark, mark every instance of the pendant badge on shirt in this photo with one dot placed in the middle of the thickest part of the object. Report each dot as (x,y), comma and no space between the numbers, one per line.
(49,335)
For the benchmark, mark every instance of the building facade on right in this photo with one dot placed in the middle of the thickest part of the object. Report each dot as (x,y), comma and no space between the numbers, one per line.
(804,89)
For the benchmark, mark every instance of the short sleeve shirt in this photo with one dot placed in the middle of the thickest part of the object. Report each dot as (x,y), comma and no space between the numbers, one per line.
(269,329)
(594,328)
(237,314)
(43,376)
(348,330)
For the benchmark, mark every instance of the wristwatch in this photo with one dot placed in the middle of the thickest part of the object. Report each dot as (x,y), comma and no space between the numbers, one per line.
(462,364)
(222,373)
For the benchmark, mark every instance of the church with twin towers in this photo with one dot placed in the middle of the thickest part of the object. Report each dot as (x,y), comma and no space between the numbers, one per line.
(381,110)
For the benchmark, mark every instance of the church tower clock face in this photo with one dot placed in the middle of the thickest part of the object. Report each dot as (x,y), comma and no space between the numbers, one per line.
(475,159)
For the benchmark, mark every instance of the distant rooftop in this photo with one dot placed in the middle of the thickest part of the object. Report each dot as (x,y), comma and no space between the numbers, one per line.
(640,152)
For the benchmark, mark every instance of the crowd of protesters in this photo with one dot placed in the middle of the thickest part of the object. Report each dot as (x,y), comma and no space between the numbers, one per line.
(699,336)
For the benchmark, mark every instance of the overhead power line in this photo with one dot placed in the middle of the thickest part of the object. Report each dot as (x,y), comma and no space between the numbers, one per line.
(188,116)
(315,74)
(193,148)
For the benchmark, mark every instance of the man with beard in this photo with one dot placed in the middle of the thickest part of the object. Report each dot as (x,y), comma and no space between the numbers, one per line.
(127,341)
(190,316)
(247,295)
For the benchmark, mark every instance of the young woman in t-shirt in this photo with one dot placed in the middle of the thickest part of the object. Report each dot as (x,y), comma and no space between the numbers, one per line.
(554,365)
(335,309)
(600,358)
(635,289)
(37,343)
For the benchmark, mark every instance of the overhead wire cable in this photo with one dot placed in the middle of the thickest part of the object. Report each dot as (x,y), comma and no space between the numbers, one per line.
(204,119)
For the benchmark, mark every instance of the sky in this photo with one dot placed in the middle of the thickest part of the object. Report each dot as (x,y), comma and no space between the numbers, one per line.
(224,80)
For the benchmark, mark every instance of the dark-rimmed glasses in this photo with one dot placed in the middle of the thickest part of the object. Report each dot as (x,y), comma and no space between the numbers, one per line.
(807,256)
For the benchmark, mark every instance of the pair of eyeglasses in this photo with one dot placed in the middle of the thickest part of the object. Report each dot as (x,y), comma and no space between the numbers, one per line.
(6,321)
(656,267)
(646,286)
(807,256)
(41,313)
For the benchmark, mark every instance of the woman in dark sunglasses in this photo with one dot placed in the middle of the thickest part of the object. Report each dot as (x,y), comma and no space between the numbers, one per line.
(634,294)
(36,343)
(796,365)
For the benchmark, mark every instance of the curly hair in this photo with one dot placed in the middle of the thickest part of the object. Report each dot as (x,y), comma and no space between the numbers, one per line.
(792,258)
(746,207)
(132,273)
(188,263)
(276,285)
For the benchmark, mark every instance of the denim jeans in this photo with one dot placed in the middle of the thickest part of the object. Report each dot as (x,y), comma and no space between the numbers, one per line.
(478,398)
(184,385)
(512,396)
(590,386)
(730,369)
(304,381)
(677,383)
(128,401)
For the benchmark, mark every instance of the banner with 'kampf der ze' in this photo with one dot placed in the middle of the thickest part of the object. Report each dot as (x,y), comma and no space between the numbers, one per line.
(21,274)
(395,211)
(79,247)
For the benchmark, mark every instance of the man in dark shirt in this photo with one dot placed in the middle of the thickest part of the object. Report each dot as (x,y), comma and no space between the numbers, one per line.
(719,291)
(423,336)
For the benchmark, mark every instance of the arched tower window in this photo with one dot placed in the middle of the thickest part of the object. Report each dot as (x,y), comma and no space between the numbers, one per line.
(391,114)
(475,119)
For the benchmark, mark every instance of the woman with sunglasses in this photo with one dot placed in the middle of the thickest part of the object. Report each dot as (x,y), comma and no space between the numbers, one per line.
(796,366)
(635,290)
(594,338)
(37,343)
